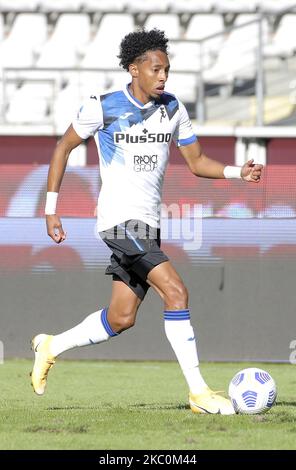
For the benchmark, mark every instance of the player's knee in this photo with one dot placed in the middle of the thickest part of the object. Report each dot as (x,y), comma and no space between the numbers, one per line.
(176,296)
(123,321)
(127,321)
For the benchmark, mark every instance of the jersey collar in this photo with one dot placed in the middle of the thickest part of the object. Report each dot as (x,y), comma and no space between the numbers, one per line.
(134,100)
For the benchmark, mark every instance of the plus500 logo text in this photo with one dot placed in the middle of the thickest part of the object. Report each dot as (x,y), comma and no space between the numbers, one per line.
(150,138)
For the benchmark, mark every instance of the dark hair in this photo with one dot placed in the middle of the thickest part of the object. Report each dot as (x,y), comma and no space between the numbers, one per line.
(134,45)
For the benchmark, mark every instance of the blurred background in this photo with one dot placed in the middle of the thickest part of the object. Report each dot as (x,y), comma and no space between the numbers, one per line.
(233,64)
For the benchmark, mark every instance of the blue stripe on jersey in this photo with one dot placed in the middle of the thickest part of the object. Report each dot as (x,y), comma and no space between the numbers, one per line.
(106,324)
(108,150)
(113,105)
(187,141)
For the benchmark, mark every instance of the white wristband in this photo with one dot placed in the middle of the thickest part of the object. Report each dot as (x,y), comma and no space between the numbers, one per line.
(232,172)
(51,203)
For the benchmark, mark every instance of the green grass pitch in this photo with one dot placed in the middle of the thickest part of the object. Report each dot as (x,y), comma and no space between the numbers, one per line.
(135,405)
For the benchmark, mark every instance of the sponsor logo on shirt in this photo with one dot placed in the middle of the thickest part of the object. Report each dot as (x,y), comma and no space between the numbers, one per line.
(145,162)
(146,137)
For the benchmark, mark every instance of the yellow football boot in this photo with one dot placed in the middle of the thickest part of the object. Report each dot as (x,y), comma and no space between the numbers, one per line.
(43,362)
(210,402)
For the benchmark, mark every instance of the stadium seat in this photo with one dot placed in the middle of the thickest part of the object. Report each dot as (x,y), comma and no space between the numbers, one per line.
(102,52)
(65,107)
(169,23)
(237,6)
(201,26)
(237,57)
(17,50)
(281,45)
(37,89)
(71,32)
(80,87)
(60,5)
(19,5)
(117,80)
(191,6)
(275,6)
(186,55)
(104,5)
(184,85)
(10,88)
(152,6)
(89,83)
(245,37)
(30,103)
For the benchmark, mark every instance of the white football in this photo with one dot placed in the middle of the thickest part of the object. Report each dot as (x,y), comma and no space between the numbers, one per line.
(252,391)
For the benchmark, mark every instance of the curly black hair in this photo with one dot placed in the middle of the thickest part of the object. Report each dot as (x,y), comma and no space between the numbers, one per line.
(135,44)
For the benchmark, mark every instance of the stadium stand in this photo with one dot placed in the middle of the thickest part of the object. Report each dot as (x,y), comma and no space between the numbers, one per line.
(214,52)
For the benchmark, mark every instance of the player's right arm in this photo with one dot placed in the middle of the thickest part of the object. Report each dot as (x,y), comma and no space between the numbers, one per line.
(57,167)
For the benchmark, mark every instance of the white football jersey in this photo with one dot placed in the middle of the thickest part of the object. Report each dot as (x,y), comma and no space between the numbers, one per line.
(133,142)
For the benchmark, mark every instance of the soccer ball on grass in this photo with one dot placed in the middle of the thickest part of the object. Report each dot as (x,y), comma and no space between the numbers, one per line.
(252,391)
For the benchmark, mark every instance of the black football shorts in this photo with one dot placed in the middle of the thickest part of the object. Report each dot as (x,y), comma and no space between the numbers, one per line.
(136,251)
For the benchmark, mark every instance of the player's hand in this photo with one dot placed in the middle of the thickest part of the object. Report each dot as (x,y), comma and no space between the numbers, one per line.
(55,229)
(251,171)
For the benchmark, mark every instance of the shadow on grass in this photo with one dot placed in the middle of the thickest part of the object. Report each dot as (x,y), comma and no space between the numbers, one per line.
(286,403)
(57,429)
(102,406)
(154,406)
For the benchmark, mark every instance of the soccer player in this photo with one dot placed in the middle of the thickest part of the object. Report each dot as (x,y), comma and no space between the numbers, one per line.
(133,128)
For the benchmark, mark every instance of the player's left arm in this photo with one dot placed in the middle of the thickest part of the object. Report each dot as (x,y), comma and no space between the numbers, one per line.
(201,165)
